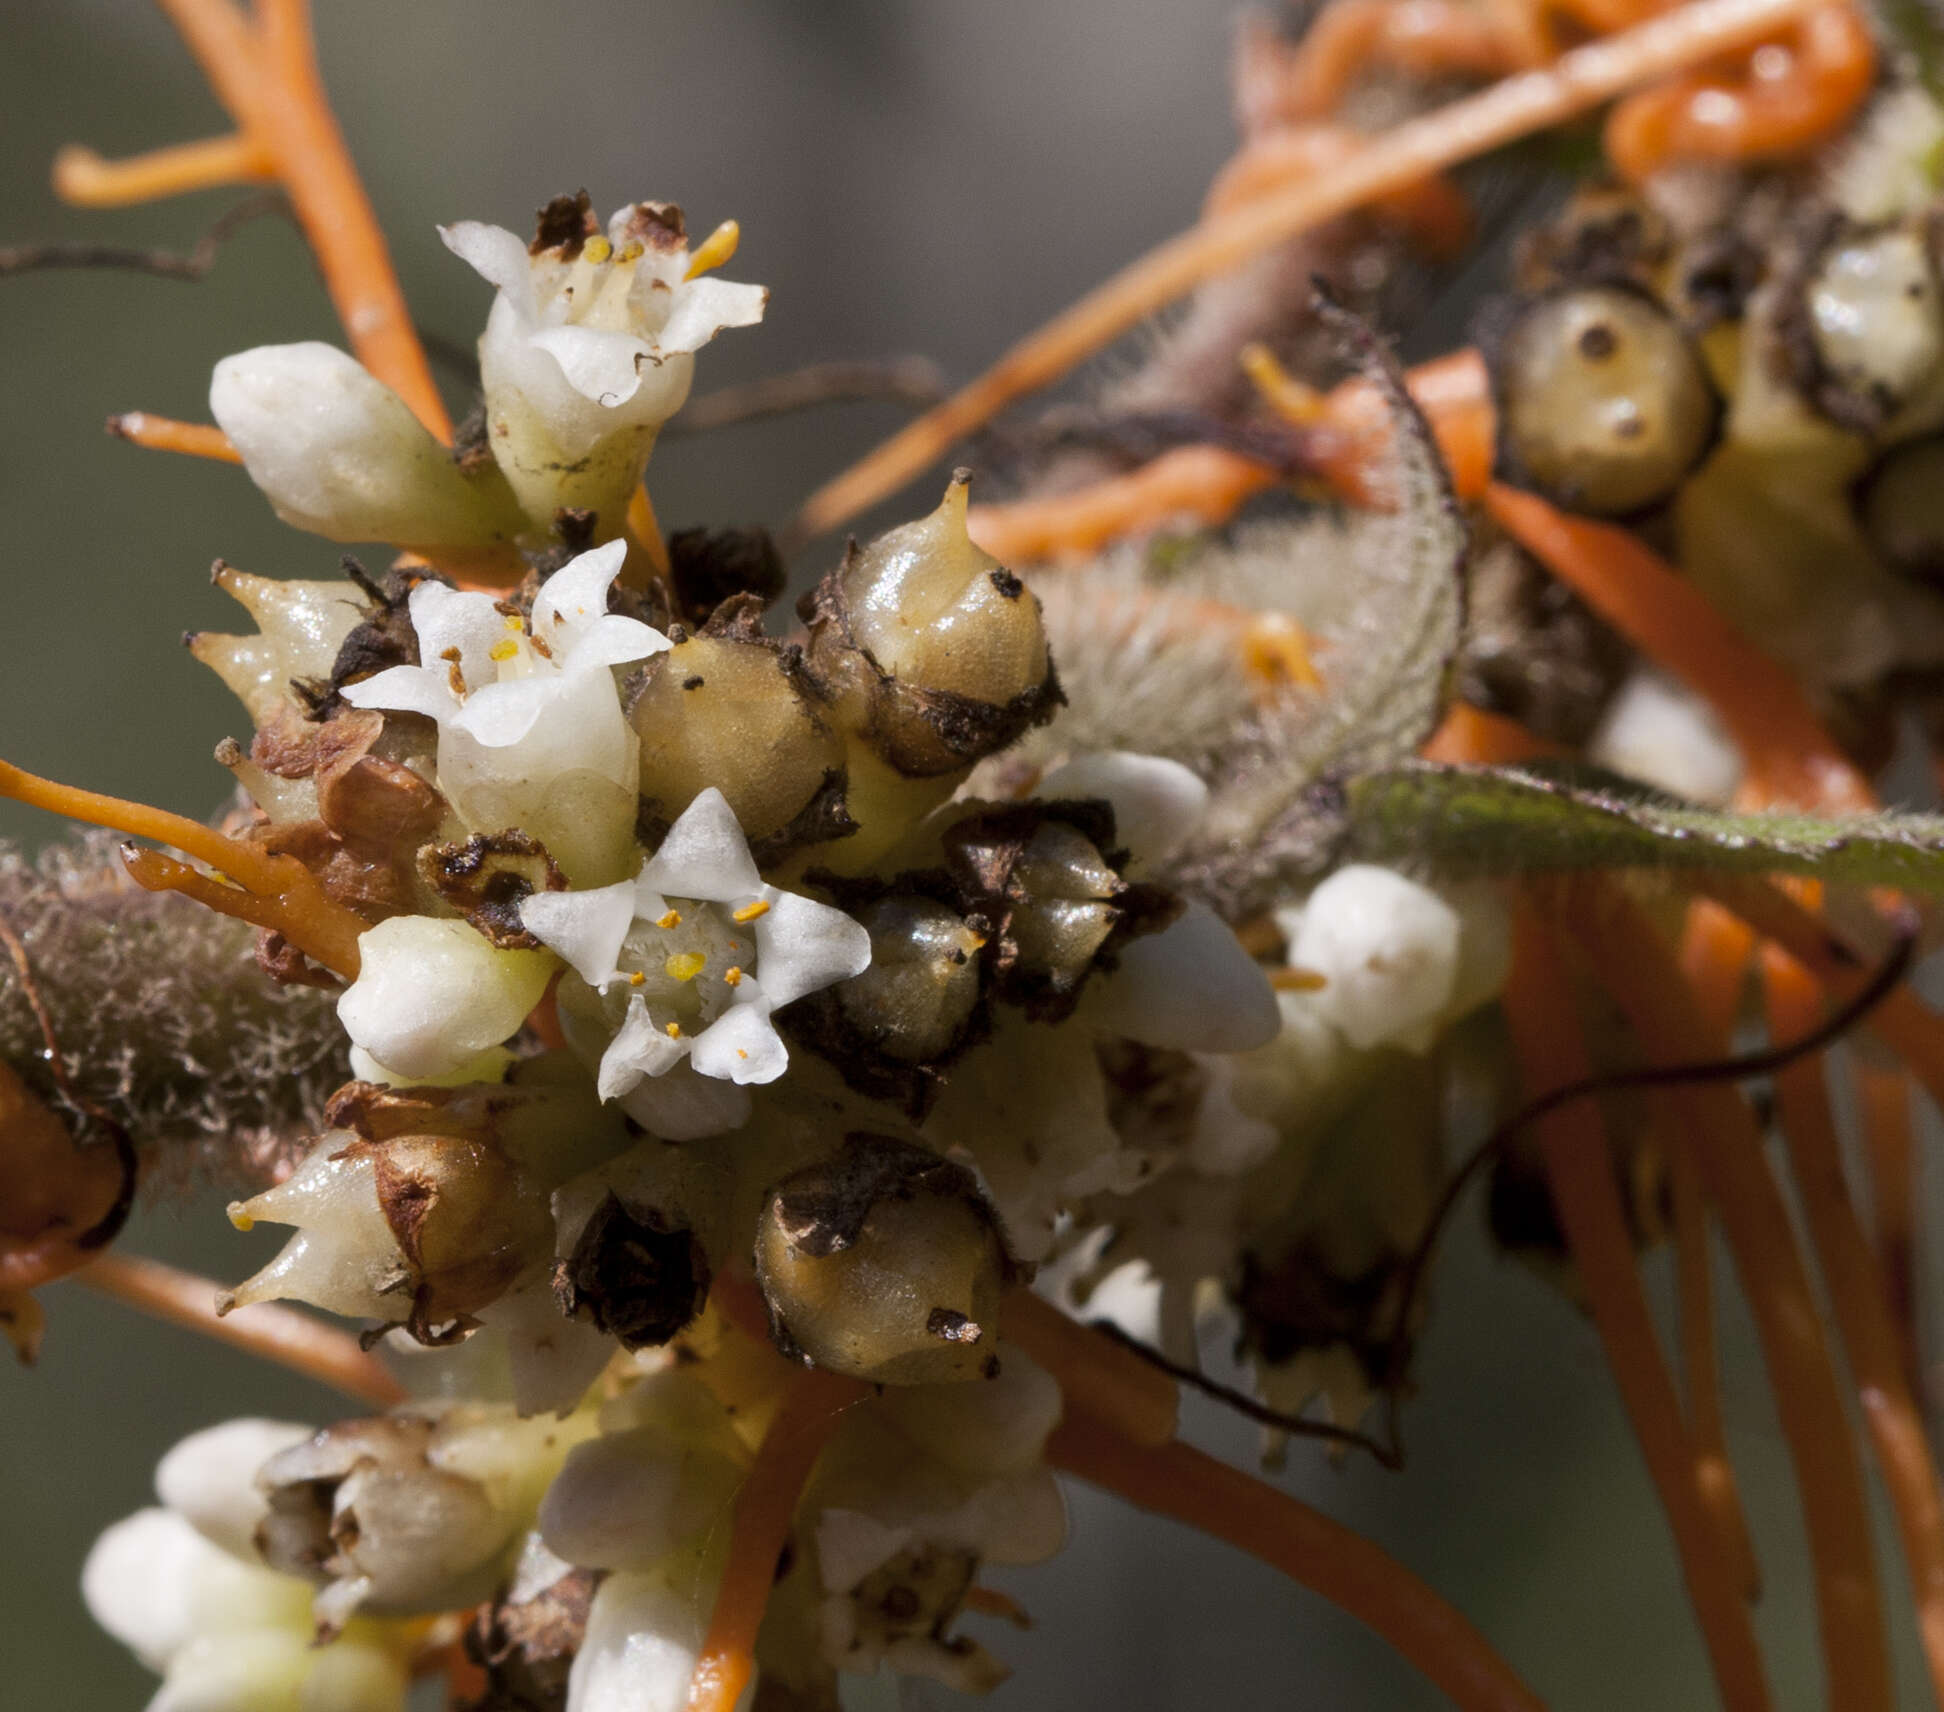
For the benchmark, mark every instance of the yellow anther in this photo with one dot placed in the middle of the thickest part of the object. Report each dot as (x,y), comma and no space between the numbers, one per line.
(1295,401)
(631,253)
(240,1219)
(673,918)
(750,911)
(1294,980)
(732,976)
(742,1052)
(685,965)
(637,979)
(1275,652)
(597,250)
(716,249)
(503,650)
(674,1031)
(514,622)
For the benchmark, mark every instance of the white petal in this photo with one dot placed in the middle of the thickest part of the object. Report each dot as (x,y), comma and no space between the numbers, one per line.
(210,1479)
(406,689)
(497,256)
(1388,949)
(638,1049)
(615,641)
(431,993)
(603,367)
(703,307)
(705,855)
(577,594)
(741,1045)
(552,1360)
(682,1106)
(137,1582)
(1191,987)
(627,1500)
(802,945)
(1156,802)
(587,928)
(501,715)
(338,453)
(446,619)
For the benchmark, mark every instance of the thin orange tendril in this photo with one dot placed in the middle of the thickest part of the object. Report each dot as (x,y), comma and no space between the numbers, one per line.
(1789,754)
(263,69)
(1889,1144)
(1858,1293)
(1133,1399)
(85,179)
(1183,1483)
(1626,955)
(277,892)
(164,434)
(808,1415)
(1540,1013)
(279,1335)
(1514,108)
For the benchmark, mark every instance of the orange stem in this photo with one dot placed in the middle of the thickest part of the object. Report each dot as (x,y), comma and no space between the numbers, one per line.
(1859,1294)
(1902,1021)
(282,1335)
(1178,1481)
(165,434)
(1109,1381)
(1572,1141)
(1670,621)
(1516,107)
(1628,958)
(804,1421)
(1890,1146)
(306,916)
(1470,736)
(85,179)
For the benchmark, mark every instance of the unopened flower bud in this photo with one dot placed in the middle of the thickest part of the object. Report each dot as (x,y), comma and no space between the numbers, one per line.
(883,1262)
(210,1479)
(300,627)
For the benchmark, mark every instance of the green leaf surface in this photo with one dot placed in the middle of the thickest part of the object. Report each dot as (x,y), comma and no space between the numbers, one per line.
(1536,819)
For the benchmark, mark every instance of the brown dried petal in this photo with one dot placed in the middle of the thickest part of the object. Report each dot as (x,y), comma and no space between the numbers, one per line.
(488,877)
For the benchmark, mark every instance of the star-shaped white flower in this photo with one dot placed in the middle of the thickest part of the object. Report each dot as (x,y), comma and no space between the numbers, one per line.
(531,731)
(694,955)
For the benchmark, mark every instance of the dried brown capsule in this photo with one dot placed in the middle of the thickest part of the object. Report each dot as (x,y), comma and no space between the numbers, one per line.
(1604,404)
(883,1262)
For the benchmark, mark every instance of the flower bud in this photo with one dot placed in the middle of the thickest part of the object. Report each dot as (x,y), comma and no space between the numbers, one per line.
(210,1479)
(337,452)
(883,1262)
(723,709)
(300,627)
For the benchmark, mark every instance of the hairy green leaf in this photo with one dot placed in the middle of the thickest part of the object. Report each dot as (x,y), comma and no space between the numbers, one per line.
(1504,820)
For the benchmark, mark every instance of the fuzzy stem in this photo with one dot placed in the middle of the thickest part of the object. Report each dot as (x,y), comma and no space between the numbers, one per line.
(1186,1484)
(804,1421)
(280,1335)
(1630,961)
(1860,1297)
(1573,1144)
(1514,108)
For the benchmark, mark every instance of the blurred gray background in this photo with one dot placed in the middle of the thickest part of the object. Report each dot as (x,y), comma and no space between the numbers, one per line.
(912,176)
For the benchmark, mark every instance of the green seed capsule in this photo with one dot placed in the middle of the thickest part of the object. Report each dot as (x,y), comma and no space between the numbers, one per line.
(1604,405)
(913,1002)
(884,1263)
(1901,508)
(1871,327)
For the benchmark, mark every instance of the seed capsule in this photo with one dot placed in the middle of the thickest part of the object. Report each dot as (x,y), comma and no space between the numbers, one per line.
(915,999)
(721,709)
(1604,405)
(1901,507)
(883,1262)
(1869,330)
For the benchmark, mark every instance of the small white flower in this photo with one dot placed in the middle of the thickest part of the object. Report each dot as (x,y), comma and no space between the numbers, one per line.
(589,349)
(531,731)
(690,959)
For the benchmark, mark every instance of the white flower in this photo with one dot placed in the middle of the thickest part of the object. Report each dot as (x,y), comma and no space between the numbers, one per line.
(337,452)
(589,349)
(689,960)
(531,731)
